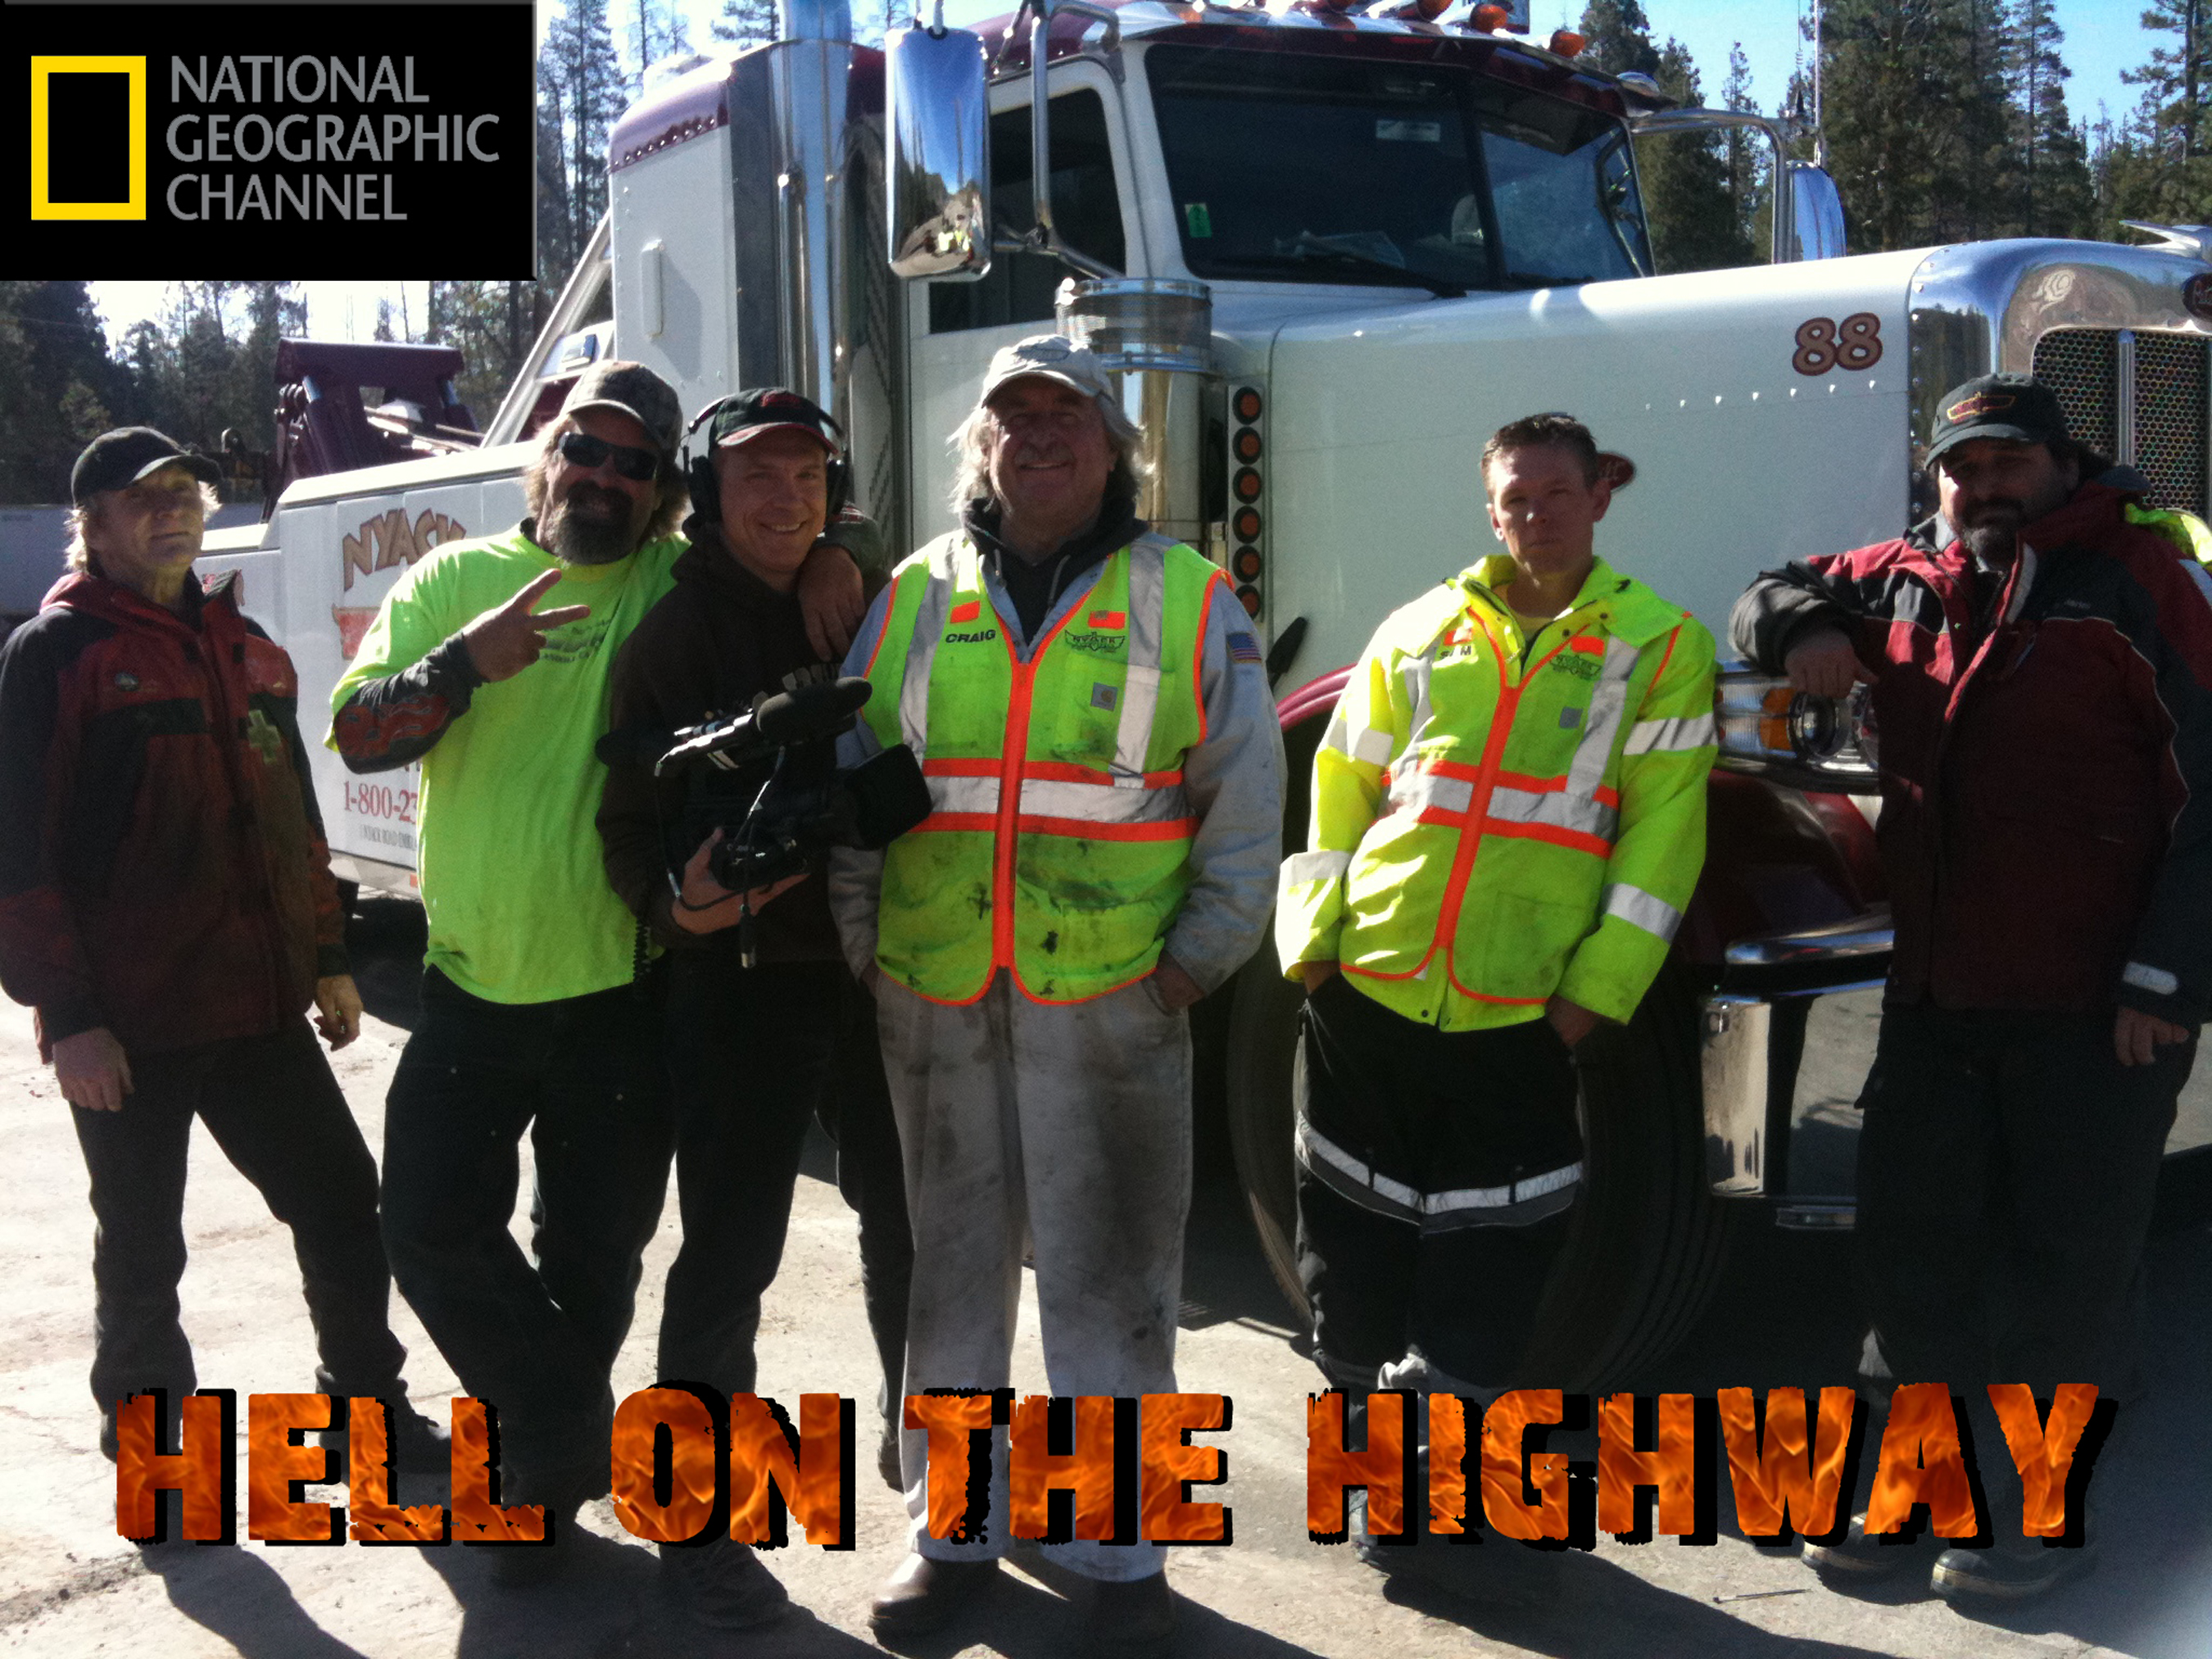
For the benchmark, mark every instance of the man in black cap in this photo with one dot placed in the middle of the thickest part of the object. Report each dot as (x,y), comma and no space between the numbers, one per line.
(167,905)
(749,1048)
(2041,659)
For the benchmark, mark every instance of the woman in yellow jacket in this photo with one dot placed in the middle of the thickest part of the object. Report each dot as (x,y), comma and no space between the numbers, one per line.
(1508,816)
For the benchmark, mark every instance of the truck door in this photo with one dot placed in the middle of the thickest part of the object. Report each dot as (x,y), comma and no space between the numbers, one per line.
(955,326)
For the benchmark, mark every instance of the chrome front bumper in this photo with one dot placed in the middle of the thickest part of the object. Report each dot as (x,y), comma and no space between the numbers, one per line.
(1786,1045)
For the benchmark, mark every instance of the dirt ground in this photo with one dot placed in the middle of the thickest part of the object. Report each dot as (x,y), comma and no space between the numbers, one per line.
(70,1587)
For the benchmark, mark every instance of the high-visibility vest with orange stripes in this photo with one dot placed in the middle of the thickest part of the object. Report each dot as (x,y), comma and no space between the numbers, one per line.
(1498,819)
(1058,836)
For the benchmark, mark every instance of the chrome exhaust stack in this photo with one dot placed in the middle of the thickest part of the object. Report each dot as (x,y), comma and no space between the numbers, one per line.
(1156,338)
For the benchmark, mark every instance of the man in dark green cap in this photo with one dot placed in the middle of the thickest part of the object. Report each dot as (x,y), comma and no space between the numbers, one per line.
(2041,659)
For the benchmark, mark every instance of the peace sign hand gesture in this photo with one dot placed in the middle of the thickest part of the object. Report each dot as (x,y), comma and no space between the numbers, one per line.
(507,638)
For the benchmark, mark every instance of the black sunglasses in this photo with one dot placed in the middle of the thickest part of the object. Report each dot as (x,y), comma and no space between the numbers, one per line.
(582,449)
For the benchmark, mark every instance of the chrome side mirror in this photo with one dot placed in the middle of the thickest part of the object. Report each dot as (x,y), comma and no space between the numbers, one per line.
(1816,213)
(938,119)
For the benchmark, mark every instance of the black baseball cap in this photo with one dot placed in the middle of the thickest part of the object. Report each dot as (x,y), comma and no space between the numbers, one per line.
(2016,407)
(744,416)
(117,459)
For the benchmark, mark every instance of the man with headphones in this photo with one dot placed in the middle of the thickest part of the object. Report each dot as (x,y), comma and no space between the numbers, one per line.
(749,1049)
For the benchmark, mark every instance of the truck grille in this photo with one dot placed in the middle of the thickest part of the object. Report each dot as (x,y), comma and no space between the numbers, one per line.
(2140,397)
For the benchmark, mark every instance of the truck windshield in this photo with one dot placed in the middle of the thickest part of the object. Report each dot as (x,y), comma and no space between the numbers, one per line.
(1293,167)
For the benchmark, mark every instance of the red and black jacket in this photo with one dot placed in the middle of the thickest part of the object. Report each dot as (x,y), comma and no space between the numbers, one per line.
(2045,751)
(162,867)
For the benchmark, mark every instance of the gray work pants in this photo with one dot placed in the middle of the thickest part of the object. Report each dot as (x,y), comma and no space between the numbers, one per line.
(1067,1124)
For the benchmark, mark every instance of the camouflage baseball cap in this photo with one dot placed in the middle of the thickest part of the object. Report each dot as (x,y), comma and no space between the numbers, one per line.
(1054,357)
(634,389)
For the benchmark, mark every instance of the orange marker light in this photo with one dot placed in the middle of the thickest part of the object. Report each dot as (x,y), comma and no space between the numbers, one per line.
(1488,19)
(1567,43)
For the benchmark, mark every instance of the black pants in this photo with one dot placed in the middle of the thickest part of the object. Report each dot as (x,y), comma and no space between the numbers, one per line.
(752,1055)
(2007,1169)
(273,1107)
(1435,1171)
(584,1076)
(856,1111)
(749,1058)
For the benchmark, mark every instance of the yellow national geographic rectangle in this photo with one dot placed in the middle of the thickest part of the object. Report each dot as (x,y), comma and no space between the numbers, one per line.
(41,206)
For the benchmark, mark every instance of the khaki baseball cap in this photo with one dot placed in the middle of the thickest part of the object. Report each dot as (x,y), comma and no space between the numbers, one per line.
(634,389)
(1053,356)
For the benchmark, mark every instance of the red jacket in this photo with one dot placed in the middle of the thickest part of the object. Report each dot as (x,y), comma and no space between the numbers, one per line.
(162,867)
(2046,757)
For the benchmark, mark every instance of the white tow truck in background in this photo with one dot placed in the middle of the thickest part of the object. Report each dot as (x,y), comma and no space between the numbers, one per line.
(1328,249)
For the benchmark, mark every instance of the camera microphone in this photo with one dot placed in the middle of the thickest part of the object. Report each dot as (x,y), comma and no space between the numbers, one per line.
(802,713)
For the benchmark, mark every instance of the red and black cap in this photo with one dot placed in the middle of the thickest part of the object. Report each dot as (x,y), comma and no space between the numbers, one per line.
(117,459)
(2016,408)
(746,416)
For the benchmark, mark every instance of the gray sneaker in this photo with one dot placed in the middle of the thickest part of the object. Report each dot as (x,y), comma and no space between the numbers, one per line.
(2018,1569)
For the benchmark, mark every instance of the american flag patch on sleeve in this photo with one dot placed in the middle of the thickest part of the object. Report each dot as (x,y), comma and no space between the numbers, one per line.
(1244,647)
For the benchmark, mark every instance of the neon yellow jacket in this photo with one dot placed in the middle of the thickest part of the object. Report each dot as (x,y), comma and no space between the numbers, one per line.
(1058,843)
(1496,820)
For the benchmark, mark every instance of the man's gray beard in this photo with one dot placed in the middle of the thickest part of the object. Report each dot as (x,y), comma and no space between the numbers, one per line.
(579,541)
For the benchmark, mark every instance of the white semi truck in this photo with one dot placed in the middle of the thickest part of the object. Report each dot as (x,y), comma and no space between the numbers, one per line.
(1329,249)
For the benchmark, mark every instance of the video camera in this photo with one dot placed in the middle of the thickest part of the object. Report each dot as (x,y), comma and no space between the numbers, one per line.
(807,805)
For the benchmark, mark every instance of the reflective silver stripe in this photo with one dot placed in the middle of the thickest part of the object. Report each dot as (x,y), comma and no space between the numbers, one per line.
(1365,744)
(1635,906)
(963,794)
(1419,791)
(1103,803)
(1315,867)
(1352,1178)
(1415,672)
(2024,581)
(2144,977)
(2197,574)
(1609,704)
(1516,1204)
(1684,731)
(1498,1198)
(1555,808)
(952,556)
(1141,693)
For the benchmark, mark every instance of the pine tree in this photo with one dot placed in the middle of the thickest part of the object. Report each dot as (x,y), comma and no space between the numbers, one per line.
(1918,122)
(2175,80)
(2056,196)
(746,23)
(588,77)
(556,235)
(1687,205)
(1748,158)
(656,30)
(1617,37)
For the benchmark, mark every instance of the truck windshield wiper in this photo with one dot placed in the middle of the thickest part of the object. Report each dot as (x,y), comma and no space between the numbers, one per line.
(1309,247)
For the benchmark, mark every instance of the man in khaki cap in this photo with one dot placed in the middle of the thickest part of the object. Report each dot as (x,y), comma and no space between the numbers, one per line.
(1032,965)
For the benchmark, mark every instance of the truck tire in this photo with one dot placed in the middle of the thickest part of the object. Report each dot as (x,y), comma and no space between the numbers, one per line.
(1649,1240)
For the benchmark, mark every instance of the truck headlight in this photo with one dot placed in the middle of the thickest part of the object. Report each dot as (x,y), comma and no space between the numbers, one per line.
(1805,741)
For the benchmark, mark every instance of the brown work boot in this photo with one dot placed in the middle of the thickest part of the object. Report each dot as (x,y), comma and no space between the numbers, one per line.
(922,1595)
(1129,1616)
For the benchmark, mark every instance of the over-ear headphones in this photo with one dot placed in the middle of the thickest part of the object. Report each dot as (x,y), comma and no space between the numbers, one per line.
(776,407)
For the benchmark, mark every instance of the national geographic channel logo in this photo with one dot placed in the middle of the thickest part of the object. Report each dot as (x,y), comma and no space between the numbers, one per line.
(88,137)
(357,138)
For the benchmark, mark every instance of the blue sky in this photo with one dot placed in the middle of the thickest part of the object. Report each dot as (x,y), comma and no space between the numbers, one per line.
(2103,38)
